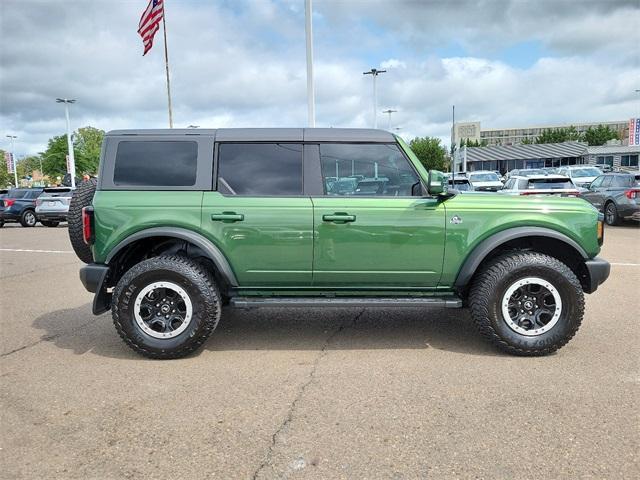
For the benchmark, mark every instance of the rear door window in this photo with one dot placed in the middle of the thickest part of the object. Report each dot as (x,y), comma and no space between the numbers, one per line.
(366,170)
(156,163)
(260,169)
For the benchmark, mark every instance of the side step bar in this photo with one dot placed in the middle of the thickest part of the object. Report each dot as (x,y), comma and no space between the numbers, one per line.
(433,302)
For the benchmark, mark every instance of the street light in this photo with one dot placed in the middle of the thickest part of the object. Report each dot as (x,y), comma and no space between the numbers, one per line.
(389,111)
(374,73)
(72,161)
(13,157)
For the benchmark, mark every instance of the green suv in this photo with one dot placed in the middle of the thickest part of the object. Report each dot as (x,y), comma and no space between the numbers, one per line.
(183,222)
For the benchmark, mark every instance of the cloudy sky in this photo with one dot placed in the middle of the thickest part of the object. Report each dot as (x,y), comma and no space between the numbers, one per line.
(238,63)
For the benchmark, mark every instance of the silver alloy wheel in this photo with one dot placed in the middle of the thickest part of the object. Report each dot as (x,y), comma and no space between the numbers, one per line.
(610,213)
(163,310)
(30,218)
(531,306)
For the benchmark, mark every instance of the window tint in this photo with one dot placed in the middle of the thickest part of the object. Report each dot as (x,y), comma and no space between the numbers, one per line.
(622,181)
(550,183)
(260,169)
(170,163)
(366,169)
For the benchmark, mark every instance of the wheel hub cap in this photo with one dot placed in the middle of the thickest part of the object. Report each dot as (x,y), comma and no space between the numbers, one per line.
(531,306)
(163,310)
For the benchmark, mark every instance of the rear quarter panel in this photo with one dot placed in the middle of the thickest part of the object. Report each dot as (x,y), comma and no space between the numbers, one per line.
(119,214)
(484,215)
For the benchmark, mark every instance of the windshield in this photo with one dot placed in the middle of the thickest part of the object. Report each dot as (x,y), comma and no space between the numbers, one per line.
(549,183)
(484,177)
(585,172)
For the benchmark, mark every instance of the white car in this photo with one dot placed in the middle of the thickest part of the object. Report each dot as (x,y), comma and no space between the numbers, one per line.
(541,185)
(484,180)
(581,175)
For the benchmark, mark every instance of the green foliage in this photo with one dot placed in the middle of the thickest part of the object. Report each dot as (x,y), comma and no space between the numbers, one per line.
(87,144)
(430,152)
(6,178)
(600,135)
(559,135)
(86,149)
(473,143)
(27,165)
(527,141)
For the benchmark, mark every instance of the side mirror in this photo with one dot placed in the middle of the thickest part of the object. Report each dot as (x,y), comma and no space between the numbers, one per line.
(437,184)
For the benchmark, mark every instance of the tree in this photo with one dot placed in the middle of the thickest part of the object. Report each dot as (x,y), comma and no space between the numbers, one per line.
(27,165)
(87,144)
(6,178)
(600,135)
(430,152)
(54,162)
(559,135)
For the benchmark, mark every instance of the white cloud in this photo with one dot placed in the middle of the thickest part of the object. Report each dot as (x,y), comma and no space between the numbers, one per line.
(243,64)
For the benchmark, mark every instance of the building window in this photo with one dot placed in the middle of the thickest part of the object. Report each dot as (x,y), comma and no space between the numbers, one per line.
(605,160)
(629,161)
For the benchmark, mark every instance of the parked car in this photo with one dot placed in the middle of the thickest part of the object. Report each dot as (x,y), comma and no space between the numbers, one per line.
(52,206)
(581,175)
(604,167)
(541,185)
(525,172)
(484,181)
(169,236)
(617,195)
(19,205)
(460,184)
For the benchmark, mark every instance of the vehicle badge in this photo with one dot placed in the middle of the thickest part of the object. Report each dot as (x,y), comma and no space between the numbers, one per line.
(456,220)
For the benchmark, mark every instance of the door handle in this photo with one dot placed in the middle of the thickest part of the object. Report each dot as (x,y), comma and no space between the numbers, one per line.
(227,217)
(339,218)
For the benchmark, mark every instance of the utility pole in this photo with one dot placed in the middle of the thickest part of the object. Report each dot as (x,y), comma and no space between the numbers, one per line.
(374,73)
(311,96)
(453,145)
(13,157)
(72,160)
(389,111)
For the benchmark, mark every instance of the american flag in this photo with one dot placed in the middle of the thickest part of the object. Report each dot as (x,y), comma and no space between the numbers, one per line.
(150,23)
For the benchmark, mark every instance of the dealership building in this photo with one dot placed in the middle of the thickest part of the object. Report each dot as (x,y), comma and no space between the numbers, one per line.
(516,135)
(505,158)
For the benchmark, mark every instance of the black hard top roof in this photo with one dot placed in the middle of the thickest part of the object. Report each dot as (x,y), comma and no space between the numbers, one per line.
(271,134)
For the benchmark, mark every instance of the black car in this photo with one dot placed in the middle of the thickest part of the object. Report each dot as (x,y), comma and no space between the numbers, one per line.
(617,195)
(19,205)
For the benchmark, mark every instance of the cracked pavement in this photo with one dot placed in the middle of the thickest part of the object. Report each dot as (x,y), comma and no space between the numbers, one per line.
(309,393)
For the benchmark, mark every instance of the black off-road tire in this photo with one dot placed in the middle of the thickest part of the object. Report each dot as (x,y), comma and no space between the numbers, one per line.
(199,285)
(82,197)
(611,216)
(49,223)
(491,284)
(28,218)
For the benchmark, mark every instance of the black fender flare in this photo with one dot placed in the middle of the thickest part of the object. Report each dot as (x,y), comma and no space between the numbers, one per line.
(480,252)
(211,251)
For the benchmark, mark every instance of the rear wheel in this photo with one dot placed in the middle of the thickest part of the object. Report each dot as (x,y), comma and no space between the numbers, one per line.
(49,223)
(28,218)
(166,307)
(611,214)
(527,303)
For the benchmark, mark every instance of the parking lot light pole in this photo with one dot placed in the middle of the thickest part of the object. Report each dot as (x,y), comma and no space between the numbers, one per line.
(389,111)
(72,161)
(374,73)
(13,157)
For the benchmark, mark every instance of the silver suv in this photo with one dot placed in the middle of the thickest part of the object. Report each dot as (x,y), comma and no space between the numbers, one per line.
(52,206)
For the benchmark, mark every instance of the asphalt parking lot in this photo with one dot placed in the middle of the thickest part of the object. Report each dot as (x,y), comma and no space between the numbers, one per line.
(393,393)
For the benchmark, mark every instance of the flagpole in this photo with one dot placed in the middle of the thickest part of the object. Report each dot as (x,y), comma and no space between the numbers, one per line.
(166,61)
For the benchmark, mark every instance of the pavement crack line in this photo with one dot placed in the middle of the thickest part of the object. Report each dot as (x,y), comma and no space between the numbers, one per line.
(48,338)
(294,404)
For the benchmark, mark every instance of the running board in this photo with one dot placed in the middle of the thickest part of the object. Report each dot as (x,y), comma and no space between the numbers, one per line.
(433,302)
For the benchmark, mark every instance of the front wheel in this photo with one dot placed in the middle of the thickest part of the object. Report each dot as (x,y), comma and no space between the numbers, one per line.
(166,307)
(527,303)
